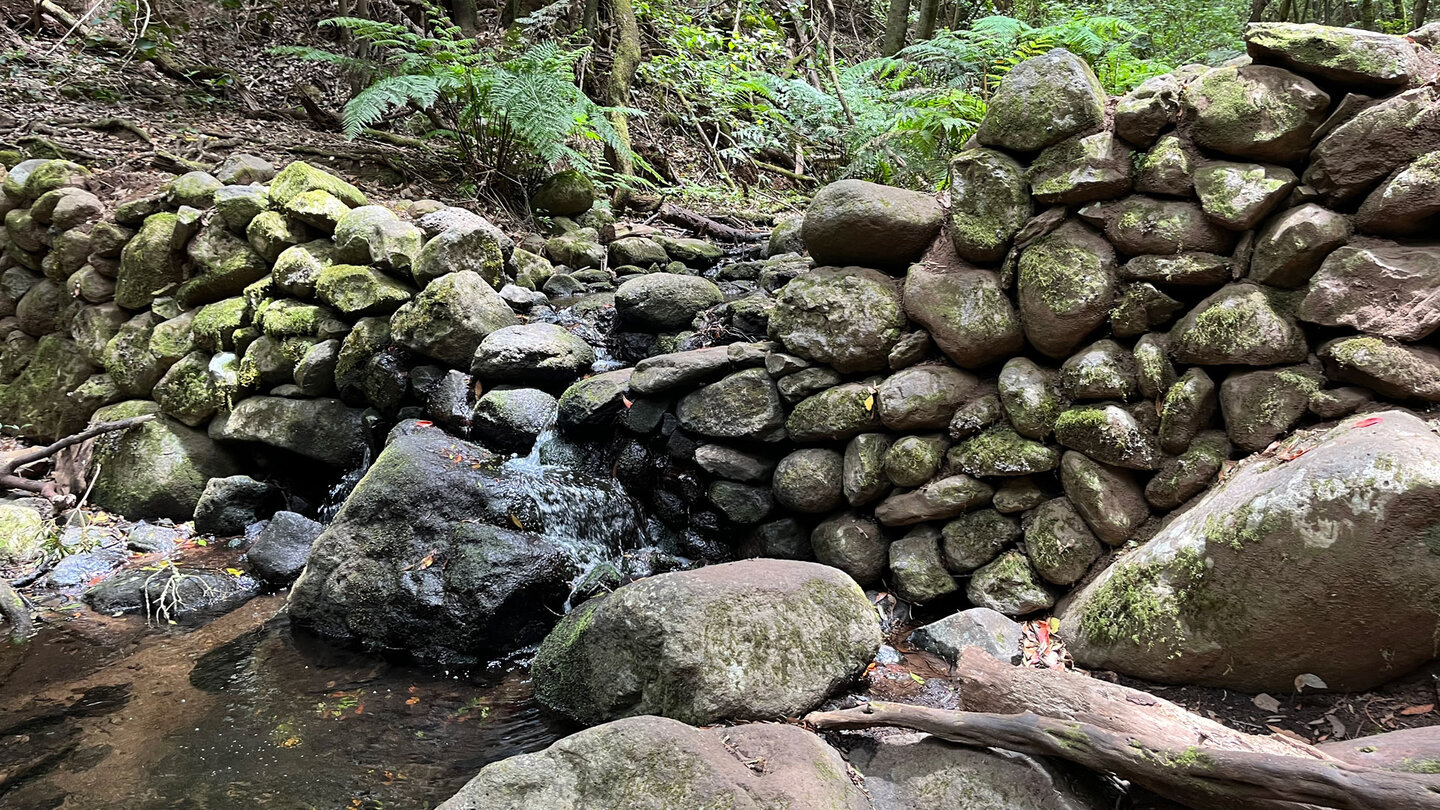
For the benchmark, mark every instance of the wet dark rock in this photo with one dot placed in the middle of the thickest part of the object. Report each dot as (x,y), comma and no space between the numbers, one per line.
(1032,397)
(592,404)
(1390,369)
(744,405)
(923,397)
(863,475)
(511,419)
(1240,324)
(1261,406)
(966,312)
(1065,288)
(230,504)
(1180,478)
(975,538)
(323,429)
(809,480)
(172,593)
(1109,499)
(1186,410)
(913,460)
(279,552)
(938,500)
(853,544)
(664,301)
(833,414)
(1109,434)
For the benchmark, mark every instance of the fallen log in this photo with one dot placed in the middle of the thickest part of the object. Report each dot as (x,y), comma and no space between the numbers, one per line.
(10,465)
(673,214)
(1200,777)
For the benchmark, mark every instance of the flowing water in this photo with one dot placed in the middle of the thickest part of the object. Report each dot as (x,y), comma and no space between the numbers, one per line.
(241,713)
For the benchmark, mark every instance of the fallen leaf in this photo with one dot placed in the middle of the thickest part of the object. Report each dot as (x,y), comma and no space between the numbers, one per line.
(428,561)
(1423,708)
(412,701)
(1337,728)
(1054,624)
(1309,679)
(1367,422)
(423,422)
(917,678)
(1266,703)
(235,572)
(627,401)
(870,403)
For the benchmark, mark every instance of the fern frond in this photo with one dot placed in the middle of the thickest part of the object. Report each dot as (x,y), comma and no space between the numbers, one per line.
(372,103)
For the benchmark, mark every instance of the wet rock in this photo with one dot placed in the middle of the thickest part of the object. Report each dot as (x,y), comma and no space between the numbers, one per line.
(1043,101)
(734,464)
(1187,269)
(637,251)
(741,503)
(938,500)
(664,301)
(593,403)
(916,569)
(863,476)
(848,318)
(853,222)
(1010,586)
(833,414)
(1379,288)
(1000,451)
(323,429)
(1065,288)
(1334,403)
(913,460)
(1032,397)
(1102,370)
(1110,435)
(911,349)
(511,419)
(1109,499)
(783,539)
(786,238)
(1182,477)
(37,401)
(431,494)
(975,538)
(148,538)
(175,593)
(451,317)
(966,312)
(279,552)
(650,763)
(1254,111)
(536,353)
(659,645)
(1389,368)
(744,405)
(989,203)
(1139,225)
(1081,169)
(1143,113)
(1239,195)
(1356,508)
(1375,142)
(852,544)
(189,391)
(1349,56)
(1291,246)
(809,480)
(158,469)
(1186,409)
(1261,406)
(1140,308)
(975,416)
(1060,545)
(1407,203)
(923,397)
(976,627)
(1241,324)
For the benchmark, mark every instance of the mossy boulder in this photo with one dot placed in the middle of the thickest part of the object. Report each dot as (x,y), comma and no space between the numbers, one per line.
(1081,169)
(322,429)
(1000,451)
(854,222)
(214,325)
(1060,545)
(745,640)
(271,232)
(652,763)
(1102,370)
(940,499)
(195,189)
(1043,101)
(188,392)
(833,414)
(1032,397)
(373,234)
(848,317)
(224,266)
(1348,56)
(300,177)
(1378,140)
(1379,288)
(510,419)
(1167,169)
(1141,307)
(975,538)
(37,402)
(157,469)
(863,478)
(1389,368)
(1065,287)
(473,246)
(577,249)
(1292,245)
(46,176)
(93,328)
(1180,478)
(320,210)
(1109,499)
(1186,409)
(1343,535)
(128,359)
(924,397)
(1009,585)
(1254,111)
(541,354)
(1240,324)
(1240,195)
(449,318)
(1143,113)
(591,405)
(664,301)
(354,290)
(152,262)
(46,308)
(913,460)
(1262,406)
(989,203)
(637,251)
(1109,434)
(564,194)
(966,312)
(917,570)
(22,532)
(696,253)
(1139,225)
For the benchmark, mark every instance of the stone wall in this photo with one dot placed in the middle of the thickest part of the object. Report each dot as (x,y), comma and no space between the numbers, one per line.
(979,392)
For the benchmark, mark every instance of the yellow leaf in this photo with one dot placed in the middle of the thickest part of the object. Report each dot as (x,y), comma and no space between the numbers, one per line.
(1054,625)
(917,678)
(235,572)
(870,403)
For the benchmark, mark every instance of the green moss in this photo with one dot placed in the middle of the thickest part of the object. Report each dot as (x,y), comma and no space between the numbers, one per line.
(1002,451)
(1066,277)
(1429,766)
(215,324)
(287,318)
(1144,603)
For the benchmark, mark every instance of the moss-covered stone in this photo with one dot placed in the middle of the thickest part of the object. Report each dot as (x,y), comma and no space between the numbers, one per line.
(989,203)
(372,234)
(300,177)
(1043,101)
(1081,169)
(237,206)
(290,318)
(1254,111)
(1391,369)
(271,232)
(564,194)
(1032,397)
(214,325)
(1241,324)
(353,290)
(835,413)
(1240,195)
(1065,287)
(150,263)
(966,312)
(450,318)
(1010,586)
(913,460)
(128,359)
(225,266)
(37,402)
(1350,56)
(187,392)
(1001,451)
(1109,434)
(1262,406)
(155,470)
(50,175)
(195,189)
(854,222)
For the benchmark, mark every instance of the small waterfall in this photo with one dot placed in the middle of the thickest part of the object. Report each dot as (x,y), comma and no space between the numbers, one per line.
(335,497)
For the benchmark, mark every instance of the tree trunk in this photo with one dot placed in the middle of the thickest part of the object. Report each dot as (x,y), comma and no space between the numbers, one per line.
(1422,10)
(895,24)
(620,16)
(1257,10)
(467,17)
(925,26)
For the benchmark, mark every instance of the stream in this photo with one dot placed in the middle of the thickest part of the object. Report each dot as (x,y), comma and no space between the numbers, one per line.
(242,712)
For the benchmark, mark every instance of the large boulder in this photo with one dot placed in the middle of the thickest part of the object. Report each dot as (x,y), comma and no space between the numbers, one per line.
(966,311)
(1341,536)
(651,763)
(323,429)
(1349,56)
(745,640)
(38,400)
(854,222)
(744,405)
(1081,169)
(989,203)
(1291,246)
(1139,225)
(1043,101)
(1379,288)
(1375,142)
(846,317)
(564,194)
(427,555)
(1065,287)
(157,469)
(1390,369)
(665,301)
(1239,195)
(1240,324)
(152,261)
(449,318)
(1254,111)
(536,353)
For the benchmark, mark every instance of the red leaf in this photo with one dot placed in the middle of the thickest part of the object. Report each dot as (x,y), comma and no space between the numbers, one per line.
(1367,422)
(424,422)
(1411,711)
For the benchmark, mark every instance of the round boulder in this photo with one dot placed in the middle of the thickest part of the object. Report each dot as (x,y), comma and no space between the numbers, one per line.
(846,317)
(534,353)
(664,301)
(870,225)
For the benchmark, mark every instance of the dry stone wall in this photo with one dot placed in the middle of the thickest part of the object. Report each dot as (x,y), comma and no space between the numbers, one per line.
(973,395)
